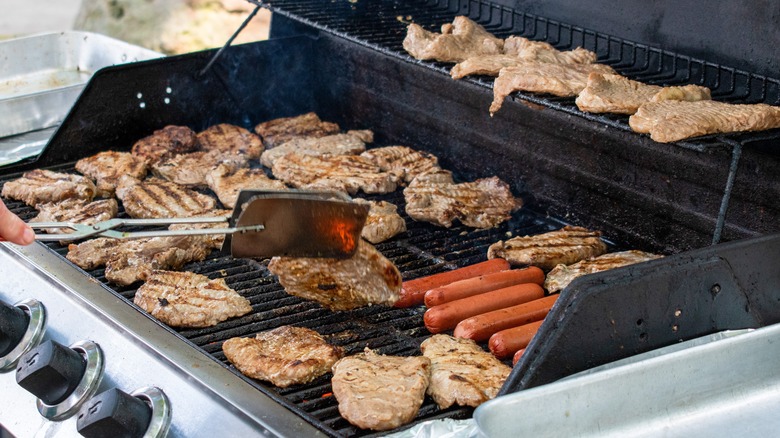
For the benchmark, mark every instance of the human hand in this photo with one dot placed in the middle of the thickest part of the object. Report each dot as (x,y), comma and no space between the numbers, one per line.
(13,229)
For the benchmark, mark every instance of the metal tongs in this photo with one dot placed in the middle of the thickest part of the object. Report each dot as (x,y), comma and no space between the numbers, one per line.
(263,224)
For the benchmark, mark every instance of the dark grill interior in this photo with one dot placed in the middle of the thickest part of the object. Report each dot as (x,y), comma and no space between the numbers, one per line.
(422,250)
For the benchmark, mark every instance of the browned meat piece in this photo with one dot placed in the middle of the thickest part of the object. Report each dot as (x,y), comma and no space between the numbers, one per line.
(186,299)
(565,80)
(365,279)
(41,186)
(106,168)
(283,356)
(560,276)
(135,259)
(190,170)
(540,51)
(227,185)
(78,211)
(402,160)
(383,221)
(484,203)
(342,173)
(380,392)
(565,246)
(336,144)
(488,65)
(158,198)
(461,372)
(606,93)
(672,120)
(230,139)
(277,131)
(93,253)
(164,143)
(457,41)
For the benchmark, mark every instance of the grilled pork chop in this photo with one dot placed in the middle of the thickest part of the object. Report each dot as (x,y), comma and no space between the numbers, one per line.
(186,299)
(190,170)
(607,93)
(565,80)
(560,276)
(277,131)
(230,139)
(42,186)
(106,168)
(365,279)
(461,372)
(457,41)
(78,211)
(336,144)
(383,221)
(209,241)
(227,184)
(156,198)
(670,121)
(380,392)
(565,246)
(134,260)
(483,203)
(166,142)
(342,173)
(93,253)
(284,356)
(402,160)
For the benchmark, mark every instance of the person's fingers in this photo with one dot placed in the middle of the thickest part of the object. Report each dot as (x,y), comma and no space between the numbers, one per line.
(13,229)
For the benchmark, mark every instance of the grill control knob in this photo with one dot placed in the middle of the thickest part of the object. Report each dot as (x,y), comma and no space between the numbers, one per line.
(13,325)
(51,371)
(114,413)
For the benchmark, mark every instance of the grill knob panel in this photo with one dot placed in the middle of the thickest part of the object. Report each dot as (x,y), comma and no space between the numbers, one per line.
(13,325)
(114,413)
(51,371)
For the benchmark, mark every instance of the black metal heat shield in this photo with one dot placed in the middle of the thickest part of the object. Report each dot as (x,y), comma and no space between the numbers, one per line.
(615,314)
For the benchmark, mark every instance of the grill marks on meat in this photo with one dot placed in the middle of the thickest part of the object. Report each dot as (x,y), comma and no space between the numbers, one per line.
(42,186)
(190,170)
(670,121)
(457,41)
(166,142)
(208,241)
(106,168)
(565,80)
(365,279)
(461,372)
(93,253)
(383,221)
(156,198)
(336,144)
(607,93)
(136,259)
(186,299)
(402,160)
(284,356)
(277,131)
(230,139)
(342,173)
(380,392)
(79,211)
(560,276)
(227,185)
(565,246)
(484,203)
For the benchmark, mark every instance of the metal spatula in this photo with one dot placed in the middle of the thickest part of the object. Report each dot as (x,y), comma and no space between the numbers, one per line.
(263,224)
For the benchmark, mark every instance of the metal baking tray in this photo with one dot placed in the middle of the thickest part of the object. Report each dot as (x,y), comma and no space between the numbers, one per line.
(41,77)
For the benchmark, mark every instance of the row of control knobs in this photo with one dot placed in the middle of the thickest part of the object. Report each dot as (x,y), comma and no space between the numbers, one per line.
(65,378)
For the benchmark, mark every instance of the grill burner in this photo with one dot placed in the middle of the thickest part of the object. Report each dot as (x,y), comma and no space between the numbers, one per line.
(422,250)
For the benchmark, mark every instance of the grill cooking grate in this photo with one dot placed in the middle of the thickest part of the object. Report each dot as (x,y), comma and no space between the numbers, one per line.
(422,250)
(382,26)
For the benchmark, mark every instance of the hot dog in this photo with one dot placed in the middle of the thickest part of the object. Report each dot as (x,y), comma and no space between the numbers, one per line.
(507,342)
(517,356)
(413,291)
(481,327)
(483,283)
(448,315)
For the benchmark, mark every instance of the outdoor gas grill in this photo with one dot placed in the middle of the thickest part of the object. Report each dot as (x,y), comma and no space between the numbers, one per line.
(344,60)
